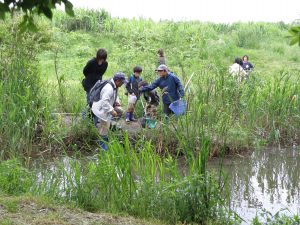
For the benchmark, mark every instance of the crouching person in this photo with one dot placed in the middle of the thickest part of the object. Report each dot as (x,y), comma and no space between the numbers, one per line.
(150,111)
(108,106)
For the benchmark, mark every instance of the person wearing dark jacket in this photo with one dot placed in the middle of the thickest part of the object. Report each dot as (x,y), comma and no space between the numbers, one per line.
(133,92)
(247,66)
(94,70)
(169,83)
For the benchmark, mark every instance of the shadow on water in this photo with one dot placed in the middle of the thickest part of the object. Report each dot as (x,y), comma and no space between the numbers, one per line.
(265,181)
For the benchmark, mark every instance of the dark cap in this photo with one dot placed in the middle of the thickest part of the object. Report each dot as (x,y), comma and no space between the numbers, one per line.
(120,76)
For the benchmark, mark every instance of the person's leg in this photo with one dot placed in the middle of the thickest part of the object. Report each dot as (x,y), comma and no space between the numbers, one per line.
(131,117)
(167,112)
(103,128)
(129,111)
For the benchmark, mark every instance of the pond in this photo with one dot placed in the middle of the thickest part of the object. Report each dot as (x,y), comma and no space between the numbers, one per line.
(264,181)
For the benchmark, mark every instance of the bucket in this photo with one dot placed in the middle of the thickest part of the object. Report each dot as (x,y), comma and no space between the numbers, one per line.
(151,123)
(178,107)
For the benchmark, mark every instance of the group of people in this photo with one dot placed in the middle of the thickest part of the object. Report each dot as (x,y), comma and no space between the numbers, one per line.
(241,68)
(108,106)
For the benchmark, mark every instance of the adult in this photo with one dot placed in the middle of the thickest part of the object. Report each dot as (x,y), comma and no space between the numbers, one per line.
(169,83)
(237,71)
(108,106)
(94,69)
(247,66)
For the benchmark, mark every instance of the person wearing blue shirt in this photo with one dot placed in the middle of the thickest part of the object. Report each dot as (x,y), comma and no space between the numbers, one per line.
(169,83)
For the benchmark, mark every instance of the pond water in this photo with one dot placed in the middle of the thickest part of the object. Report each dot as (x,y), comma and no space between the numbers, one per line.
(267,180)
(264,181)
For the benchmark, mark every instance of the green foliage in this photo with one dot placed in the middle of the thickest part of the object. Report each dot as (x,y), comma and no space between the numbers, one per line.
(294,35)
(14,179)
(277,218)
(31,7)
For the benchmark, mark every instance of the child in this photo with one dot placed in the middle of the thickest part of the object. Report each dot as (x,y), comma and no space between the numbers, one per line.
(133,92)
(152,100)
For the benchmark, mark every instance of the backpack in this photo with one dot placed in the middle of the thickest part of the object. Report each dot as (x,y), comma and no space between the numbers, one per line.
(94,94)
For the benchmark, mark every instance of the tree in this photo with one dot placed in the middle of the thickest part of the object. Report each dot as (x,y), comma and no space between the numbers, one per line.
(33,7)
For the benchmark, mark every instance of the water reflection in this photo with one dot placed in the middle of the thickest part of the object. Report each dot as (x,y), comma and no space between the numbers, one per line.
(267,179)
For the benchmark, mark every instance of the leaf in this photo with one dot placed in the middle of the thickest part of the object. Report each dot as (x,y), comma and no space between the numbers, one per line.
(47,12)
(3,9)
(294,40)
(69,8)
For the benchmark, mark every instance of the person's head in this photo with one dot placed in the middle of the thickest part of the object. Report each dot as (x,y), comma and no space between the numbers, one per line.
(119,79)
(101,55)
(245,58)
(137,71)
(238,61)
(162,70)
(160,52)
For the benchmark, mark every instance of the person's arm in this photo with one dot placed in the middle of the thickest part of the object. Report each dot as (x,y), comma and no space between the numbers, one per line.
(128,86)
(88,68)
(179,86)
(104,66)
(152,86)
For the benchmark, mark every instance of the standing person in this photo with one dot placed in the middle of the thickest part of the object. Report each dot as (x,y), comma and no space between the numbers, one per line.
(161,57)
(94,69)
(247,66)
(237,71)
(169,83)
(133,92)
(108,106)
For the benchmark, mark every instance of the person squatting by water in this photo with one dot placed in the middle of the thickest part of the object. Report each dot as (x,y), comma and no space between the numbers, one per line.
(133,92)
(169,83)
(108,106)
(152,102)
(237,71)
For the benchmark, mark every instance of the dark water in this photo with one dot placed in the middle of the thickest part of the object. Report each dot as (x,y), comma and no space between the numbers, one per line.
(267,180)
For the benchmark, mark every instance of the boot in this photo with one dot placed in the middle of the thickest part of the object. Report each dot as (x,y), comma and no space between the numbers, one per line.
(131,117)
(127,117)
(103,143)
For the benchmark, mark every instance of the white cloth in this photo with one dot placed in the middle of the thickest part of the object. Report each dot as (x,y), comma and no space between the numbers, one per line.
(103,108)
(238,72)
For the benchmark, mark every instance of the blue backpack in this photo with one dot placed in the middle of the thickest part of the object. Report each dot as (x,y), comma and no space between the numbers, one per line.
(94,94)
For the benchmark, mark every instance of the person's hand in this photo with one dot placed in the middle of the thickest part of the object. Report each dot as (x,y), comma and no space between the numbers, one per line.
(117,104)
(114,113)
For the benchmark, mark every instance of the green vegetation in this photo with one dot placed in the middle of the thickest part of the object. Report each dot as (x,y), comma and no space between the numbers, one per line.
(41,75)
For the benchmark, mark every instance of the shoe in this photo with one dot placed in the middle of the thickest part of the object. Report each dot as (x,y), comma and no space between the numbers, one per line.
(127,117)
(131,117)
